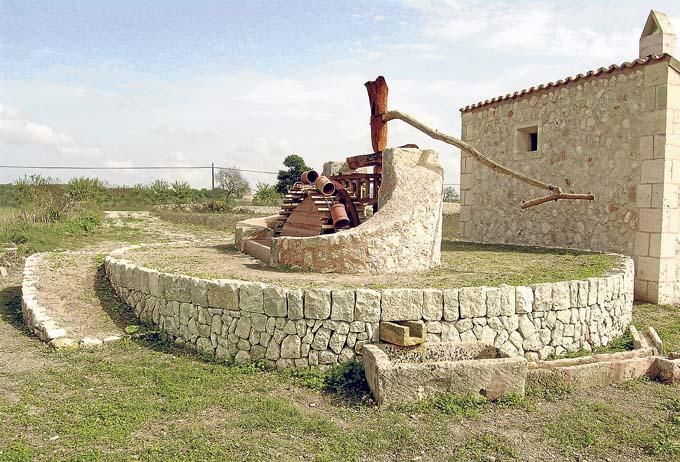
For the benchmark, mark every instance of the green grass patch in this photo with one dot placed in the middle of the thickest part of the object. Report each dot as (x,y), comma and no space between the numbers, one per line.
(664,318)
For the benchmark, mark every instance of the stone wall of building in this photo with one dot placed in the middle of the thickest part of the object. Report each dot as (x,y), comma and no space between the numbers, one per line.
(403,236)
(605,135)
(243,321)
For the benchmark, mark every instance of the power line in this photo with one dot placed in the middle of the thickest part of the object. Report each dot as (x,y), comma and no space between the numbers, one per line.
(185,167)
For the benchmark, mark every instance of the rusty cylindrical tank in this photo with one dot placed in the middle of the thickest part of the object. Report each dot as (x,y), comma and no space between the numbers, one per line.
(309,177)
(325,186)
(339,216)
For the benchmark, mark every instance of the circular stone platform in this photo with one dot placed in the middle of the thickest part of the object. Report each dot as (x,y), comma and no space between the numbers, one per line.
(463,265)
(242,320)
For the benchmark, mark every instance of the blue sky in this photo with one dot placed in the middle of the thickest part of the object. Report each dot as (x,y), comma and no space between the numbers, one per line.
(123,83)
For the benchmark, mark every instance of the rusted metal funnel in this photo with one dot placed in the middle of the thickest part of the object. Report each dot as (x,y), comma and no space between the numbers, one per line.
(339,216)
(309,177)
(324,185)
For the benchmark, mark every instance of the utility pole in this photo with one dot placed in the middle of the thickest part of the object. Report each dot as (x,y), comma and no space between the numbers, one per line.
(212,169)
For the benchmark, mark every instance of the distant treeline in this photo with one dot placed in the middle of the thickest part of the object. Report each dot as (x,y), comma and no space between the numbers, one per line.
(98,193)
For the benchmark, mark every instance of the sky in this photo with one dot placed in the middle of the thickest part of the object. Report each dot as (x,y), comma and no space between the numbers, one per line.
(244,83)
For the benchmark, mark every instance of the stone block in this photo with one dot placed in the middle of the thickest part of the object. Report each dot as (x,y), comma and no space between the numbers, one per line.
(451,305)
(524,300)
(295,299)
(542,297)
(251,297)
(401,305)
(223,294)
(472,302)
(493,301)
(275,301)
(290,347)
(367,307)
(433,304)
(342,304)
(318,303)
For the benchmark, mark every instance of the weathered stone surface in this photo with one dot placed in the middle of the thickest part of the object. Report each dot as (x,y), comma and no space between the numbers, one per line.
(406,235)
(290,347)
(472,302)
(223,294)
(367,305)
(342,308)
(524,300)
(451,305)
(401,305)
(275,301)
(321,339)
(318,303)
(392,383)
(337,342)
(251,297)
(243,327)
(64,344)
(295,304)
(433,304)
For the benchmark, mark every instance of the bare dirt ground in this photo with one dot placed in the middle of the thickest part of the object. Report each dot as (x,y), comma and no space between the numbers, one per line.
(73,287)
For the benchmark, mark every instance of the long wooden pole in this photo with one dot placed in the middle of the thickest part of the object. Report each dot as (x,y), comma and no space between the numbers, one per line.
(556,191)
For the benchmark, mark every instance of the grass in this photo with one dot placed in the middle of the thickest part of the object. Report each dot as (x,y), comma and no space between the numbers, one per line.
(664,318)
(463,265)
(144,400)
(220,221)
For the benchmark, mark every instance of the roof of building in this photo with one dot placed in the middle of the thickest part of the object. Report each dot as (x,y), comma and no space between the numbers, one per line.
(603,70)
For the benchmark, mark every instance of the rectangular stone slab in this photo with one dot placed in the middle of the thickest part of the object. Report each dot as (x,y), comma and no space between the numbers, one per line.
(403,333)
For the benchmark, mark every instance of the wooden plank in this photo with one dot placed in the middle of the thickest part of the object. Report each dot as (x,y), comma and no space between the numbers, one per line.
(305,221)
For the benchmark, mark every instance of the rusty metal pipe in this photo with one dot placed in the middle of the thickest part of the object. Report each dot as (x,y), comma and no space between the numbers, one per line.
(339,216)
(309,177)
(325,186)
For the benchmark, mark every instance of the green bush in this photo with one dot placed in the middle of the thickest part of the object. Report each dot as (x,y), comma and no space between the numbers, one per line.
(266,194)
(88,190)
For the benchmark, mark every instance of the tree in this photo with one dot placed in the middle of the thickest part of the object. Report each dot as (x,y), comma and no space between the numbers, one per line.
(232,184)
(286,178)
(451,194)
(266,194)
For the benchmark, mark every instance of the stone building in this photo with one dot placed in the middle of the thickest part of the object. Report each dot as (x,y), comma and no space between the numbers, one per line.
(613,132)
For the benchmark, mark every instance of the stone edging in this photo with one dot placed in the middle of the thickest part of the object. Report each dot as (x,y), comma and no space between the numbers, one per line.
(37,318)
(241,320)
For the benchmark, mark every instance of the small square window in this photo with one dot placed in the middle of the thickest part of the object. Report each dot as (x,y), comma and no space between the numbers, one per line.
(526,139)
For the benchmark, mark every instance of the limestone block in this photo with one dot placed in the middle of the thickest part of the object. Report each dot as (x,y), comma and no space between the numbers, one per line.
(337,342)
(327,357)
(342,304)
(493,301)
(449,332)
(275,301)
(561,295)
(542,297)
(317,303)
(223,294)
(243,327)
(401,305)
(526,326)
(433,304)
(451,305)
(367,307)
(508,300)
(321,339)
(472,302)
(199,291)
(251,297)
(258,322)
(290,347)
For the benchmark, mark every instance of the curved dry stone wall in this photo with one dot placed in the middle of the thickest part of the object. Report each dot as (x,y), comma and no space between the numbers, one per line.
(232,319)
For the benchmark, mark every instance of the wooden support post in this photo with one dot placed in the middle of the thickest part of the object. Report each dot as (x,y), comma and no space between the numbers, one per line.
(377,98)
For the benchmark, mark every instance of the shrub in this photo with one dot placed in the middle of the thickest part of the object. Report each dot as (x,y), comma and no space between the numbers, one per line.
(266,194)
(84,189)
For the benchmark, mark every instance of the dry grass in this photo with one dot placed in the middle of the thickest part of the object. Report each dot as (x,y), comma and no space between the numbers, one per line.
(463,264)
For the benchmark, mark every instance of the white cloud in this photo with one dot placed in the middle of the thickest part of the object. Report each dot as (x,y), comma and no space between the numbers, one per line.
(16,129)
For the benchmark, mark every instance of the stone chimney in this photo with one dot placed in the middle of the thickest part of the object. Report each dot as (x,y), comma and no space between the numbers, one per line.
(657,37)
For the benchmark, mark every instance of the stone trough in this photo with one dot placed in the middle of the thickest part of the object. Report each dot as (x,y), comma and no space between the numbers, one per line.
(402,374)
